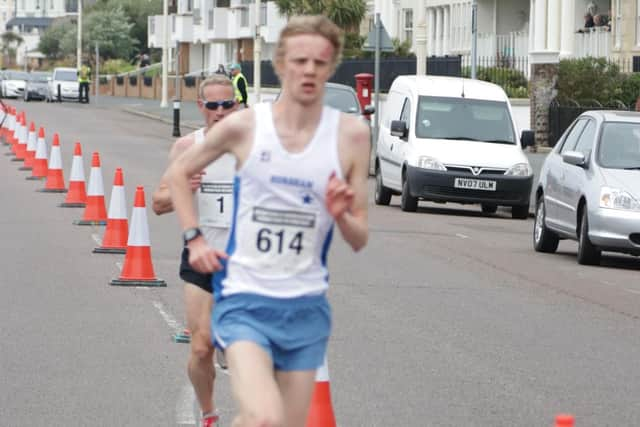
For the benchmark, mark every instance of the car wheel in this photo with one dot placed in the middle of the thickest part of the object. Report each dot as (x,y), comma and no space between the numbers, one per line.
(544,240)
(489,209)
(588,254)
(382,194)
(520,212)
(408,203)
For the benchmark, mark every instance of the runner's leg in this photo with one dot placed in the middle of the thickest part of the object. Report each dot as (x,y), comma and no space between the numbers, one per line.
(296,389)
(254,386)
(198,303)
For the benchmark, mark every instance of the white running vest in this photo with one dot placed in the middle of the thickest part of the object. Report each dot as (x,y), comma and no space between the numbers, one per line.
(215,197)
(281,230)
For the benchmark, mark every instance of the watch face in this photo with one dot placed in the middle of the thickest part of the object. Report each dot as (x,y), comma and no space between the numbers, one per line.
(191,234)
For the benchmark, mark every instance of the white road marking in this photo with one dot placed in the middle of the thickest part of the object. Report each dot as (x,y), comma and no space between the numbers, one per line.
(168,318)
(119,265)
(185,406)
(462,236)
(633,291)
(96,239)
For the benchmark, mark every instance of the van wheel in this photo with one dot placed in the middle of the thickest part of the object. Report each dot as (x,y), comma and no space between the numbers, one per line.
(408,203)
(382,195)
(520,212)
(588,254)
(489,209)
(544,240)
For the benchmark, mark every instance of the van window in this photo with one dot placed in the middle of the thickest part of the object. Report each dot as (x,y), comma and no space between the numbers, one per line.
(405,116)
(469,119)
(66,75)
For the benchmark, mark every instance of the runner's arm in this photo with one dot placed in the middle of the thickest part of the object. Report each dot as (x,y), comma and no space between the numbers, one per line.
(162,196)
(352,219)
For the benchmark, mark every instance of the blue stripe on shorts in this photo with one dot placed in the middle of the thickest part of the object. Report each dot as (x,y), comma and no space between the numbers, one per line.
(293,331)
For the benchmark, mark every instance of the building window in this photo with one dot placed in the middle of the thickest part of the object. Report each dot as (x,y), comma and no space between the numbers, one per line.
(408,25)
(51,5)
(210,19)
(637,22)
(263,14)
(244,13)
(617,25)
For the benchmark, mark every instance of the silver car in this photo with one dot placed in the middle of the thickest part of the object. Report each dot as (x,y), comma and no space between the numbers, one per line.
(589,187)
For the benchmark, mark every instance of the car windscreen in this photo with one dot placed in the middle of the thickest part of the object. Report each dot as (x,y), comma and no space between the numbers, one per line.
(341,99)
(66,76)
(15,75)
(466,119)
(619,146)
(38,77)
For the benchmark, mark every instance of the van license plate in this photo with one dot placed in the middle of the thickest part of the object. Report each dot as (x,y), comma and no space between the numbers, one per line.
(475,184)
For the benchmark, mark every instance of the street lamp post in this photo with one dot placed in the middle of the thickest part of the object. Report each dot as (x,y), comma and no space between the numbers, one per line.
(79,41)
(165,54)
(474,38)
(257,54)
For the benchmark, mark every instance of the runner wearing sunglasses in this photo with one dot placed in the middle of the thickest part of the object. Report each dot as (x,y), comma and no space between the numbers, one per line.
(213,191)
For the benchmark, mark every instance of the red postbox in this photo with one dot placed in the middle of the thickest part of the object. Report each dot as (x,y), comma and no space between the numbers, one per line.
(364,84)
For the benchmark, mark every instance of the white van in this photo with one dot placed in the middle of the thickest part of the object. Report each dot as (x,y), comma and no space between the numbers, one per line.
(63,82)
(449,139)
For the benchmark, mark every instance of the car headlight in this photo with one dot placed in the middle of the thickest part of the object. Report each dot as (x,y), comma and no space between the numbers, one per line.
(520,169)
(613,198)
(426,162)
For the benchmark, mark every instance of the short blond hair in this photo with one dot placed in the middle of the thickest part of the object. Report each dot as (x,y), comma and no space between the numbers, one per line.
(312,25)
(215,79)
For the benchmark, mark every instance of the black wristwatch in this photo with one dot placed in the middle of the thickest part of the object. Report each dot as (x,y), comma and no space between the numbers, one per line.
(190,233)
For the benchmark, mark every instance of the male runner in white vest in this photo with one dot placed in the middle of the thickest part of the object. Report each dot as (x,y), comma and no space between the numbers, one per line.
(301,169)
(213,190)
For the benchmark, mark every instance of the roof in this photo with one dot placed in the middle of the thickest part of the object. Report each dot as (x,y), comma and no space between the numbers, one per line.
(42,22)
(616,115)
(454,87)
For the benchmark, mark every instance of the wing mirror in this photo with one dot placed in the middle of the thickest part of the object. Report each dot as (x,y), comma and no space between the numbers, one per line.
(399,129)
(368,110)
(575,158)
(527,138)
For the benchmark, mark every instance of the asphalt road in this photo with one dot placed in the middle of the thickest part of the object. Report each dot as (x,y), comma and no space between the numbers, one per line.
(447,318)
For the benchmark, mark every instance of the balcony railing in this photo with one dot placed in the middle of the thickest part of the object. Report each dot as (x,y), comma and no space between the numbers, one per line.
(595,42)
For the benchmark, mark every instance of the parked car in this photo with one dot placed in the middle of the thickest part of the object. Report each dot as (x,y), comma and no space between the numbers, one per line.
(589,188)
(13,83)
(64,81)
(36,87)
(448,139)
(343,97)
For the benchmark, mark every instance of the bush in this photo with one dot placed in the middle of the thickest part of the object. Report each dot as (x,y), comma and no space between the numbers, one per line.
(630,88)
(116,66)
(589,79)
(513,81)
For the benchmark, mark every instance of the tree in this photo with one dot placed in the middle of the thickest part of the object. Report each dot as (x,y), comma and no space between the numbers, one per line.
(138,12)
(111,29)
(10,43)
(347,14)
(51,41)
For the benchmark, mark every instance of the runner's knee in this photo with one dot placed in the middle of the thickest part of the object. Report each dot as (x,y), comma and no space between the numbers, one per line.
(201,346)
(267,417)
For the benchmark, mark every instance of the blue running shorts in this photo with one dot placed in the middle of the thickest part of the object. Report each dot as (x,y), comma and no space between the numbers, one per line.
(293,331)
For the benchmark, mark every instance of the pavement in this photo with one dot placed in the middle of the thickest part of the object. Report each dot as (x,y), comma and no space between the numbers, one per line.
(190,119)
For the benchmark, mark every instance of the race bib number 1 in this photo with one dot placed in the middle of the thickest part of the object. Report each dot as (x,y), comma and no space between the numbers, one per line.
(217,203)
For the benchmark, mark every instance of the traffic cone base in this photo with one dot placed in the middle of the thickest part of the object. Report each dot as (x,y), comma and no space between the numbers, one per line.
(89,222)
(71,205)
(150,283)
(52,190)
(102,250)
(183,337)
(25,168)
(35,178)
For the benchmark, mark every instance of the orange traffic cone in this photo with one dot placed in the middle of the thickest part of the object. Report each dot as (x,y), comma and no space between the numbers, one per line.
(30,154)
(40,166)
(8,128)
(564,420)
(77,195)
(115,236)
(55,178)
(321,411)
(6,120)
(95,212)
(21,144)
(13,132)
(138,268)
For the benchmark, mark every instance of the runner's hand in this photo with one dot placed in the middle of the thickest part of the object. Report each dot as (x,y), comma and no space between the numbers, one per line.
(195,181)
(339,196)
(203,258)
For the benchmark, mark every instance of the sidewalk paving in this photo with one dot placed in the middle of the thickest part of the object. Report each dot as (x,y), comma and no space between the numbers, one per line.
(190,119)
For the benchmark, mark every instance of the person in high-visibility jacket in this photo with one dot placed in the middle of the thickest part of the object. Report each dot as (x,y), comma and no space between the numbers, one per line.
(84,77)
(239,84)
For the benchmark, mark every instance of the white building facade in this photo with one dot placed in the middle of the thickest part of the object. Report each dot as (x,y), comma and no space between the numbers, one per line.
(213,32)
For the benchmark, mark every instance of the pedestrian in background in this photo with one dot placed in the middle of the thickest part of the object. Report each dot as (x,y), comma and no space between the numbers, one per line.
(240,84)
(84,77)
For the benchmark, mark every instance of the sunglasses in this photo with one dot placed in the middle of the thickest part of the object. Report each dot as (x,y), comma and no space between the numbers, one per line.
(213,105)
